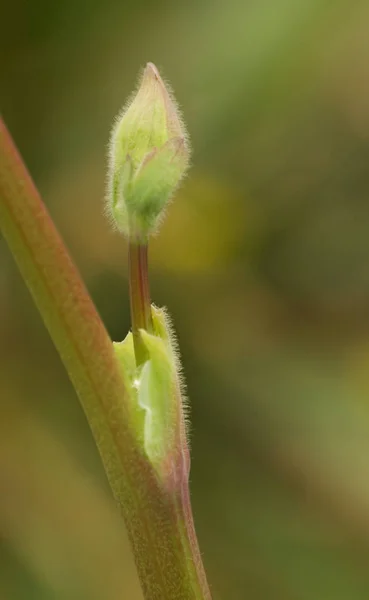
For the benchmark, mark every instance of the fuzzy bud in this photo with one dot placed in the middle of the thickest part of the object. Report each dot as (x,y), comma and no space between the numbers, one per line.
(149,155)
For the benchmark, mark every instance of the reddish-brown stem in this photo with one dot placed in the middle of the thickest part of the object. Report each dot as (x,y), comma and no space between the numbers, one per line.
(139,293)
(159,524)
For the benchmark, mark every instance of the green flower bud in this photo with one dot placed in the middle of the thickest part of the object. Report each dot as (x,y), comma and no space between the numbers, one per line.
(149,154)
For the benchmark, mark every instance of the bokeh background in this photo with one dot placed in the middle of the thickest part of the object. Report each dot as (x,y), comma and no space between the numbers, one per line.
(263,262)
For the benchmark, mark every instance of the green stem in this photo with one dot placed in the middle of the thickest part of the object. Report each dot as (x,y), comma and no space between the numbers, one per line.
(159,522)
(139,292)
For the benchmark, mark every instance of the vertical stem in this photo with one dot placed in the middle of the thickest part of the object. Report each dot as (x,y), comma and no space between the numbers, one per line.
(159,524)
(139,292)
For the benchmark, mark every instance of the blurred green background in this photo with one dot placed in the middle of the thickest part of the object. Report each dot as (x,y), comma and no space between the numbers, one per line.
(263,262)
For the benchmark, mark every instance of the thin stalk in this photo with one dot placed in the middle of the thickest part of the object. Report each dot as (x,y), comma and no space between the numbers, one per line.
(139,292)
(159,523)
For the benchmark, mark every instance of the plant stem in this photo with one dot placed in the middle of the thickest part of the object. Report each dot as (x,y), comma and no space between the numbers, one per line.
(139,292)
(159,522)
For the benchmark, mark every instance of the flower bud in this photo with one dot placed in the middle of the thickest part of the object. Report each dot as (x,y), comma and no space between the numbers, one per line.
(149,155)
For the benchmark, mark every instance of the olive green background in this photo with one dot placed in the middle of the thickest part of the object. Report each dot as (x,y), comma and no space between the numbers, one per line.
(263,262)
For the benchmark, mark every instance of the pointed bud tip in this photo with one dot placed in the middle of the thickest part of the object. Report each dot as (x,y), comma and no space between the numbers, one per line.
(150,76)
(152,69)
